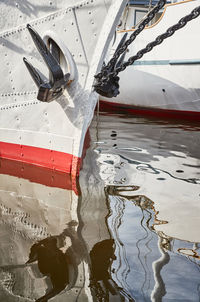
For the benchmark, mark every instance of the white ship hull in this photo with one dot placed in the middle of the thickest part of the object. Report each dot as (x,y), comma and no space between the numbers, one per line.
(165,81)
(51,135)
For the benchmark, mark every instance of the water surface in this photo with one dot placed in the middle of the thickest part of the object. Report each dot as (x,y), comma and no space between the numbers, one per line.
(131,235)
(152,177)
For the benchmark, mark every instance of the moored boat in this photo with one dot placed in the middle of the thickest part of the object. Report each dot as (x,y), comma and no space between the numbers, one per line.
(48,128)
(165,80)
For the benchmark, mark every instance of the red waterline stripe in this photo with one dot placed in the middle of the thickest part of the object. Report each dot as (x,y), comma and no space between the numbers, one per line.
(46,158)
(49,167)
(156,112)
(25,161)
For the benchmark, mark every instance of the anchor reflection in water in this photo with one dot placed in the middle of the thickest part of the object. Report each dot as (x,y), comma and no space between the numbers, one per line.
(55,264)
(52,262)
(104,287)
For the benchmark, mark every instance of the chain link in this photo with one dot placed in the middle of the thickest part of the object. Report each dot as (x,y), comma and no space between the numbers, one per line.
(106,76)
(169,32)
(106,69)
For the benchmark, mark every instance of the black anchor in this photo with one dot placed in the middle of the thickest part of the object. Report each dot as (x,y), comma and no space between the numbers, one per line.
(48,91)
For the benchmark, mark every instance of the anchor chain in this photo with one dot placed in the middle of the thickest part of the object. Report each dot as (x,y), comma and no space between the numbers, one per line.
(123,48)
(106,83)
(104,77)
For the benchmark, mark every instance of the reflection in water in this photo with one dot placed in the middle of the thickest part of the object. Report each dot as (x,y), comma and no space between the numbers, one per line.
(132,235)
(101,256)
(151,172)
(150,169)
(55,263)
(104,287)
(159,290)
(51,262)
(40,224)
(147,221)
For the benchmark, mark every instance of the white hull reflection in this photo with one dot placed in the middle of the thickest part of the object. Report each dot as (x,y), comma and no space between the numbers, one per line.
(33,213)
(52,238)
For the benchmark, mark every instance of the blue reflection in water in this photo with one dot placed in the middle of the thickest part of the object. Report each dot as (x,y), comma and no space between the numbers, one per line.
(150,264)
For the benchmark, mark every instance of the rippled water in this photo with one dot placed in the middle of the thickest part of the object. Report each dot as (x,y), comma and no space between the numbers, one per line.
(132,234)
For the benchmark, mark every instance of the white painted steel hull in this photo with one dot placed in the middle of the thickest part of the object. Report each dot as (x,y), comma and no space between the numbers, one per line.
(51,135)
(166,79)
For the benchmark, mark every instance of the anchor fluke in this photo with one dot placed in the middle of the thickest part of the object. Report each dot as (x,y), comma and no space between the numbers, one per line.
(48,91)
(34,73)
